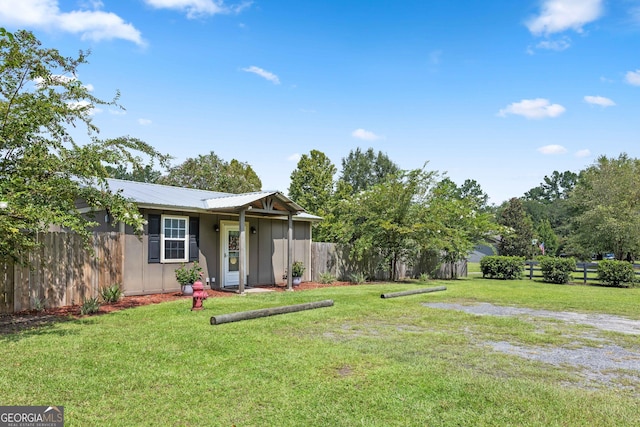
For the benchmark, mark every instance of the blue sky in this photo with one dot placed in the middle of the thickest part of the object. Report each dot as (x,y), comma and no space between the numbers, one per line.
(500,91)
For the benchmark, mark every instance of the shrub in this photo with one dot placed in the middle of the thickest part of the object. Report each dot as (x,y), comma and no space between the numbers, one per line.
(557,270)
(502,267)
(297,269)
(616,273)
(357,278)
(327,278)
(90,306)
(188,275)
(424,277)
(111,294)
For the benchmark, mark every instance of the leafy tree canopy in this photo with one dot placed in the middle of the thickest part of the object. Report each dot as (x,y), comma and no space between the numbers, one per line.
(312,182)
(547,239)
(43,171)
(145,174)
(517,237)
(210,172)
(606,200)
(384,221)
(362,170)
(456,221)
(554,187)
(549,202)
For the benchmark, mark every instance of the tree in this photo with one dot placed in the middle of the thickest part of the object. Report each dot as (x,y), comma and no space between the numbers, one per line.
(145,174)
(606,200)
(210,172)
(43,171)
(364,170)
(456,221)
(241,178)
(470,189)
(547,239)
(517,237)
(384,221)
(549,201)
(556,187)
(312,182)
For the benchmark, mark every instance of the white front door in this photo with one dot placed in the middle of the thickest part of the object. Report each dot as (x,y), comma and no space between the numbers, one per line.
(231,254)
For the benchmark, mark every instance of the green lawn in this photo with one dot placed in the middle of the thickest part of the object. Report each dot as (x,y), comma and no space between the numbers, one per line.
(366,361)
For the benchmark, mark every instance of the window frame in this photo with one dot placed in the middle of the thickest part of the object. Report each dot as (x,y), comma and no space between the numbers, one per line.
(164,239)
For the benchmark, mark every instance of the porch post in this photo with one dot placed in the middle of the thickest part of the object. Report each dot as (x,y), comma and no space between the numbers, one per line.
(290,252)
(242,256)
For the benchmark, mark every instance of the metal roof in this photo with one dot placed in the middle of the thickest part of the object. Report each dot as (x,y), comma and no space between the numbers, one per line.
(238,200)
(170,197)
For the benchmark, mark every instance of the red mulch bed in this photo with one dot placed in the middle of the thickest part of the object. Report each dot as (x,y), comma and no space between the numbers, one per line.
(15,322)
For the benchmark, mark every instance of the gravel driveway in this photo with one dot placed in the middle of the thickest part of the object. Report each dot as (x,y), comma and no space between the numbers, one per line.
(600,321)
(607,363)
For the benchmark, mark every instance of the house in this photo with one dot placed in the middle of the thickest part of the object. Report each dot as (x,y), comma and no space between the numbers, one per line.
(238,239)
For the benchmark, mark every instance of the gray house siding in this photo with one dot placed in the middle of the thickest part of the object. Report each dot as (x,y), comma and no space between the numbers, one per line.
(267,254)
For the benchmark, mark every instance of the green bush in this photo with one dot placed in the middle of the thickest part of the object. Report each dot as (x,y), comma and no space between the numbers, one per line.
(297,269)
(188,275)
(357,278)
(111,294)
(557,270)
(90,306)
(327,278)
(616,273)
(502,267)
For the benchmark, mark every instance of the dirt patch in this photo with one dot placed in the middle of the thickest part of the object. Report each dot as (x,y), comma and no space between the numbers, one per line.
(607,363)
(16,322)
(601,321)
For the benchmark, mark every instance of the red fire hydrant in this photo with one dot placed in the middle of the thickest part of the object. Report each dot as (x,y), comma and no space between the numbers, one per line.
(199,295)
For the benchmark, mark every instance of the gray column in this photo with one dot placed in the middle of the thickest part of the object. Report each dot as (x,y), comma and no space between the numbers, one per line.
(290,252)
(243,256)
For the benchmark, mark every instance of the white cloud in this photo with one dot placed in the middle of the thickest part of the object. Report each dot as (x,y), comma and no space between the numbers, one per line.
(196,8)
(86,106)
(89,87)
(117,112)
(633,77)
(54,79)
(599,100)
(552,149)
(583,153)
(557,45)
(89,24)
(364,135)
(263,73)
(294,157)
(557,16)
(144,122)
(538,108)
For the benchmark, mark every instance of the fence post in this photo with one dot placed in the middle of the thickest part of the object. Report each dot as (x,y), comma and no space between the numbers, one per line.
(530,270)
(584,266)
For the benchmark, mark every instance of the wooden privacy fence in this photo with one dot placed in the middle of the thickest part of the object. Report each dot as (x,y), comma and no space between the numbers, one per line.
(61,272)
(585,271)
(334,259)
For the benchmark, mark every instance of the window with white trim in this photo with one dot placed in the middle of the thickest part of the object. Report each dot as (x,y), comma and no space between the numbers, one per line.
(175,238)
